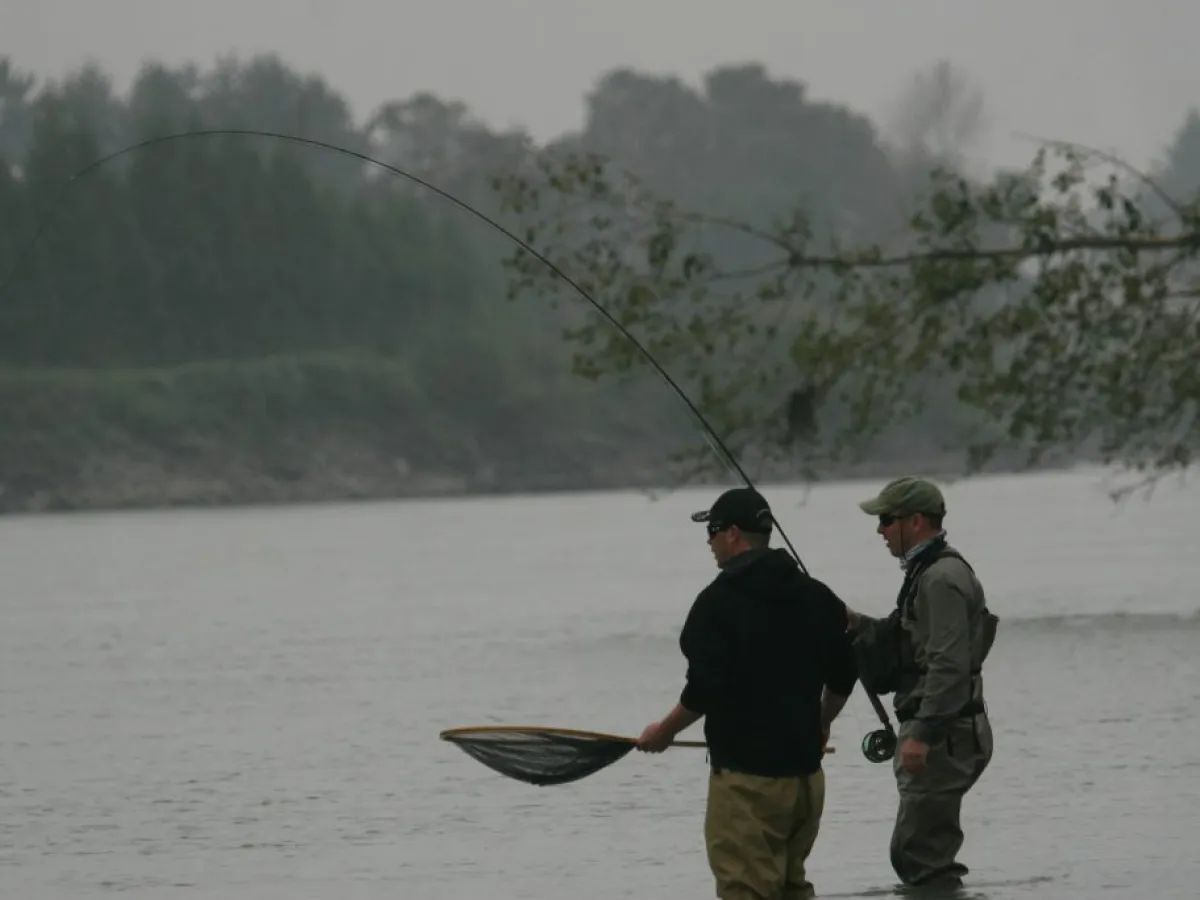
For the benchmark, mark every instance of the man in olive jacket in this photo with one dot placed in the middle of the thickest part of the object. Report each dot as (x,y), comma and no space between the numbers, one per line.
(940,632)
(769,667)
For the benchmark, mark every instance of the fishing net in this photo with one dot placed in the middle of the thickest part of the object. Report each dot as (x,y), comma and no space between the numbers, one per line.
(540,755)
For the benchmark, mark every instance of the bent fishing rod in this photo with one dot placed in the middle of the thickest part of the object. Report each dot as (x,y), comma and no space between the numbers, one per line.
(722,451)
(878,745)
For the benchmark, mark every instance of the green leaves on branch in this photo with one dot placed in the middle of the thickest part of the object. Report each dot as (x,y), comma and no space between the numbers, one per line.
(1057,310)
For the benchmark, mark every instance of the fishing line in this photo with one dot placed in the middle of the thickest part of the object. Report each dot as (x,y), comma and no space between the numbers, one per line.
(723,452)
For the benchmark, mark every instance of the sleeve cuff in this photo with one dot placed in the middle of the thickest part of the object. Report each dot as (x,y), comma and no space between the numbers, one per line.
(929,731)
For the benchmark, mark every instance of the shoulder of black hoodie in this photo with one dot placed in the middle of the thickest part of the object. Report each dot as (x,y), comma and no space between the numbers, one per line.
(780,562)
(829,618)
(828,610)
(703,638)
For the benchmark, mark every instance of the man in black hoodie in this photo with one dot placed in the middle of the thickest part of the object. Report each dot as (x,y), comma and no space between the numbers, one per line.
(769,668)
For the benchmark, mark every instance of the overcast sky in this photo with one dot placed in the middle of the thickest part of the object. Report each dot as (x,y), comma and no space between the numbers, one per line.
(1116,74)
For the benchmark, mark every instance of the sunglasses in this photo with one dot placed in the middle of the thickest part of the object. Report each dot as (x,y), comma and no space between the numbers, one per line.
(885,520)
(715,528)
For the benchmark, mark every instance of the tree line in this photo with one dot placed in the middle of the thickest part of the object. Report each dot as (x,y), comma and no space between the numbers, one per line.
(202,271)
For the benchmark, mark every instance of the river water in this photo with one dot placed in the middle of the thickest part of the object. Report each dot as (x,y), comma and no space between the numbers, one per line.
(245,703)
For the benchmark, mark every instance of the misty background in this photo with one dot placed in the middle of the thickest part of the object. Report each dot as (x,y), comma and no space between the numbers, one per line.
(232,319)
(244,702)
(1101,72)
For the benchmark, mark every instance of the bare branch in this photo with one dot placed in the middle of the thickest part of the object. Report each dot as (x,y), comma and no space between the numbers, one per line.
(1112,160)
(733,274)
(1146,483)
(1187,240)
(695,218)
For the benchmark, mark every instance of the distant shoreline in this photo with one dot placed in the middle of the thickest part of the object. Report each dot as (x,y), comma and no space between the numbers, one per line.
(126,483)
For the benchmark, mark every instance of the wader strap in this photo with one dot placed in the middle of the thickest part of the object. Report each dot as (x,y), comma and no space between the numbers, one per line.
(972,709)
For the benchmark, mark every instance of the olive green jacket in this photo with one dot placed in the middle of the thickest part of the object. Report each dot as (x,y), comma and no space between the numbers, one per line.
(946,631)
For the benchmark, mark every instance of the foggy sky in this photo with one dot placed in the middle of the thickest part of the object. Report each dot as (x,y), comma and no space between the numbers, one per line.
(1112,74)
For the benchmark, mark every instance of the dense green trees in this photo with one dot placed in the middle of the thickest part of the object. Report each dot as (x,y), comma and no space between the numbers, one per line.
(229,247)
(257,319)
(237,302)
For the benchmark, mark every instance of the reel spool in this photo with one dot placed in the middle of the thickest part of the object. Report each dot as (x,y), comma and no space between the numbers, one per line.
(879,746)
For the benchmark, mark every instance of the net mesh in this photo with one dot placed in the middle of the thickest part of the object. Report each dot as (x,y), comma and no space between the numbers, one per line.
(540,755)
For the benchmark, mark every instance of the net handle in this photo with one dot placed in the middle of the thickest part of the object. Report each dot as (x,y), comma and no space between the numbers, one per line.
(451,733)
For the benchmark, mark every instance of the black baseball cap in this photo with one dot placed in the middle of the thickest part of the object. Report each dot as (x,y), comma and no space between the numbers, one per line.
(743,507)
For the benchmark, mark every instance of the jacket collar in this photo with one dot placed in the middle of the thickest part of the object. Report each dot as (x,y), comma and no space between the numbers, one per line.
(927,547)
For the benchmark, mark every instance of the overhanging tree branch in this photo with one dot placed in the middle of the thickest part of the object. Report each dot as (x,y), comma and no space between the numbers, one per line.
(1087,351)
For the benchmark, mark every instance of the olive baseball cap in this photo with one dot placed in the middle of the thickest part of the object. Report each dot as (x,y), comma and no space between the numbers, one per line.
(906,496)
(743,507)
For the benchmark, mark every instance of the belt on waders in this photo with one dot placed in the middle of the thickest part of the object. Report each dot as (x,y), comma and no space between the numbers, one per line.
(970,711)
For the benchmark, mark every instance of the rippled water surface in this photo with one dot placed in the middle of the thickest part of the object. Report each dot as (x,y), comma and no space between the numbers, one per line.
(245,703)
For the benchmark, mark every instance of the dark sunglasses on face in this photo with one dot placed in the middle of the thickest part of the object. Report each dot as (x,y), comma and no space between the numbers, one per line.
(885,520)
(714,528)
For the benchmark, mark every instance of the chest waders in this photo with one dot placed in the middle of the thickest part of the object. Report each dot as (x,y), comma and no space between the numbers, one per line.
(887,661)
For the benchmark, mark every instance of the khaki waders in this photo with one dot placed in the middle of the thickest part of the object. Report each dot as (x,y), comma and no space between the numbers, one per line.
(759,831)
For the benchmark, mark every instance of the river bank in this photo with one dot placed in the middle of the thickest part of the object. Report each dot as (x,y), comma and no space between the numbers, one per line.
(333,468)
(353,425)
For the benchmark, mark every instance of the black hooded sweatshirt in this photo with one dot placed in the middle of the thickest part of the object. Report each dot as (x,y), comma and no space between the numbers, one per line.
(761,642)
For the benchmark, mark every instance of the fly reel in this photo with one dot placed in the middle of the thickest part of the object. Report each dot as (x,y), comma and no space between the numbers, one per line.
(879,746)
